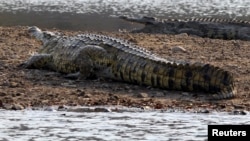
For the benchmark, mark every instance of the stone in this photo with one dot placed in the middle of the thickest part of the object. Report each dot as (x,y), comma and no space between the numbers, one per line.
(142,95)
(178,49)
(17,107)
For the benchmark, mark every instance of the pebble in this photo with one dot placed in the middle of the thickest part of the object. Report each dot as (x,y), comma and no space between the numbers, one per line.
(178,49)
(204,111)
(238,106)
(185,93)
(102,110)
(146,108)
(62,108)
(49,108)
(69,85)
(24,127)
(239,112)
(105,86)
(17,107)
(19,94)
(142,95)
(82,93)
(1,103)
(87,95)
(3,93)
(89,110)
(159,94)
(13,84)
(182,35)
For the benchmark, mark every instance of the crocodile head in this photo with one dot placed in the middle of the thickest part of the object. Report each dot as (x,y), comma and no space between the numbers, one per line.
(43,36)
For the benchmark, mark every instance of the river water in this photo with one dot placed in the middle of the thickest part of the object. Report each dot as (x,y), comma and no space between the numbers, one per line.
(101,15)
(37,125)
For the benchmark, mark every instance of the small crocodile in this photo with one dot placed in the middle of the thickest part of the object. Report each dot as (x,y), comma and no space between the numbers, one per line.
(203,27)
(88,55)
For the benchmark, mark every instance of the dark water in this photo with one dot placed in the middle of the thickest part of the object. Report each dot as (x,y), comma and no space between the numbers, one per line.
(104,126)
(100,15)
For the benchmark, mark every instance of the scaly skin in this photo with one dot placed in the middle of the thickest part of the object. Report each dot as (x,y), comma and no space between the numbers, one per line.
(97,55)
(203,27)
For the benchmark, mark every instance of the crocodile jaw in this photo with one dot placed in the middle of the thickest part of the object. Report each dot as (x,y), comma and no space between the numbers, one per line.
(43,36)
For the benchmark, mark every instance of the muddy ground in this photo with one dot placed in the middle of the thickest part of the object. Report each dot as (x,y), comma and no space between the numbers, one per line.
(23,88)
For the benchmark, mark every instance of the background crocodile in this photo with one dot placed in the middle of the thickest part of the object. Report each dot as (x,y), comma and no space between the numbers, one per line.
(203,27)
(89,55)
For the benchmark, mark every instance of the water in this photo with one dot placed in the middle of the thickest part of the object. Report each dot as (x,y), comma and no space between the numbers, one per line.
(101,15)
(133,7)
(74,126)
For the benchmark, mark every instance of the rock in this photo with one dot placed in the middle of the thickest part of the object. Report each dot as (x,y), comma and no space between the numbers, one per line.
(3,93)
(78,90)
(13,84)
(238,106)
(142,95)
(159,106)
(87,95)
(89,110)
(130,91)
(146,108)
(7,106)
(62,108)
(82,93)
(236,44)
(79,110)
(113,97)
(69,85)
(17,107)
(19,94)
(204,111)
(1,104)
(239,112)
(49,108)
(24,127)
(178,49)
(127,88)
(159,94)
(105,86)
(182,35)
(185,93)
(102,110)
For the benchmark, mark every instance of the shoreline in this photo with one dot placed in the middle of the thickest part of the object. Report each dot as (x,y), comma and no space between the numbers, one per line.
(22,88)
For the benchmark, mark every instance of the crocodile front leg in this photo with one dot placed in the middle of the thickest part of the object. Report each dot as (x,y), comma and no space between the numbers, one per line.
(38,61)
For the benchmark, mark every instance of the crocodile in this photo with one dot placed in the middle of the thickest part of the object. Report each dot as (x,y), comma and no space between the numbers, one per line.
(93,55)
(203,27)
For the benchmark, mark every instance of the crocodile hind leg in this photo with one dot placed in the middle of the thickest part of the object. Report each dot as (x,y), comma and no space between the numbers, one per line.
(92,60)
(38,61)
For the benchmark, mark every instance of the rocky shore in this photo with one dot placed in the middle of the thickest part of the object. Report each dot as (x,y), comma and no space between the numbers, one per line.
(22,88)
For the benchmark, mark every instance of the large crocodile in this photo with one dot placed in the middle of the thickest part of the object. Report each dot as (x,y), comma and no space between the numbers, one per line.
(203,27)
(97,55)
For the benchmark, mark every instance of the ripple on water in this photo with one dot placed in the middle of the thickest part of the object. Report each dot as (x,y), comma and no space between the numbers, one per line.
(148,125)
(91,14)
(157,8)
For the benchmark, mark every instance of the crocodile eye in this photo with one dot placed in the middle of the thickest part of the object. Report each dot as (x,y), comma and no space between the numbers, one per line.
(48,35)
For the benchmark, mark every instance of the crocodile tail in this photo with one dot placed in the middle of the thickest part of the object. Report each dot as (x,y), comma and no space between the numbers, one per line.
(214,81)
